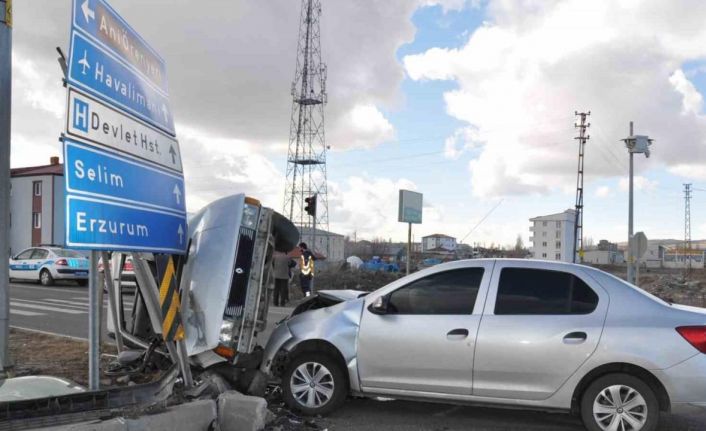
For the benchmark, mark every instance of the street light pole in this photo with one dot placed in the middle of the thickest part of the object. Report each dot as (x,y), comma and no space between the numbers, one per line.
(5,117)
(631,266)
(635,144)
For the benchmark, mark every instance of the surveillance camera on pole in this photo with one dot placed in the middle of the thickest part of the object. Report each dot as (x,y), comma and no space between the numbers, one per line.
(636,144)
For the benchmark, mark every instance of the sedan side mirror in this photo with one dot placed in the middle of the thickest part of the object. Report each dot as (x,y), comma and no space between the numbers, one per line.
(379,306)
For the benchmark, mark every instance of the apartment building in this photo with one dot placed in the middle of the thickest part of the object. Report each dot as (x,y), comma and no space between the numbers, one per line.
(552,236)
(36,206)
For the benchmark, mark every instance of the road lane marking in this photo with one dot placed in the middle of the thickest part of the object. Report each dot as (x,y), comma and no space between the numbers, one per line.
(22,328)
(85,304)
(63,302)
(25,313)
(45,308)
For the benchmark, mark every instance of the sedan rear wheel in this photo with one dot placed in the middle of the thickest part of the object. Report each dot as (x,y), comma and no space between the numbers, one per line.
(314,384)
(45,278)
(619,402)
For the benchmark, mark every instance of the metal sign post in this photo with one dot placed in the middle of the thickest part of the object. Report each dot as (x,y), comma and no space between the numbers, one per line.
(95,302)
(5,109)
(409,246)
(113,297)
(410,211)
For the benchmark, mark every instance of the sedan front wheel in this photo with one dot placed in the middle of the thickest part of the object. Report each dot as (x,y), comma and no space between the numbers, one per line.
(619,402)
(314,384)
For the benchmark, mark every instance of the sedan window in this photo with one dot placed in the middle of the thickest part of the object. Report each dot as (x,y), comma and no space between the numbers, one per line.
(448,292)
(39,254)
(25,254)
(536,291)
(62,252)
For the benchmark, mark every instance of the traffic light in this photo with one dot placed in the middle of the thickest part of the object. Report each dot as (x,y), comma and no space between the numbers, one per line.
(310,207)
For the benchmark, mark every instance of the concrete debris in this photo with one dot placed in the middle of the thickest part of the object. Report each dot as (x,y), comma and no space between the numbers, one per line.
(197,415)
(238,412)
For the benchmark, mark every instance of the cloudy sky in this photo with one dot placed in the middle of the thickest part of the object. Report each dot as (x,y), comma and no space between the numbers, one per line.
(469,102)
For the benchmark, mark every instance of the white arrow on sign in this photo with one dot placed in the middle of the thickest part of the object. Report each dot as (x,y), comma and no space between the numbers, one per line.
(177,193)
(87,11)
(181,234)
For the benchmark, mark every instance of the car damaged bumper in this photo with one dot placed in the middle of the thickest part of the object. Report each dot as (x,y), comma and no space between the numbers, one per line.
(275,356)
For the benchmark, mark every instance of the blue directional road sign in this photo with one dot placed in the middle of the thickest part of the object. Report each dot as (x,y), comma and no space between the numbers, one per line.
(102,24)
(96,172)
(100,225)
(102,74)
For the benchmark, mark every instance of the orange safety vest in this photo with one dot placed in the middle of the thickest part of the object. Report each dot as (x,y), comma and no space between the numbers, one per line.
(307,268)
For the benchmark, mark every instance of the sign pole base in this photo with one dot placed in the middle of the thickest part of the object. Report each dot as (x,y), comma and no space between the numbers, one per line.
(95,302)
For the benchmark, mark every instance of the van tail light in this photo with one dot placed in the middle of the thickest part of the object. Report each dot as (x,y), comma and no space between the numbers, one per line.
(61,262)
(695,335)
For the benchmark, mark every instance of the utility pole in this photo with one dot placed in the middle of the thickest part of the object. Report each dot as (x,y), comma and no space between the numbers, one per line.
(306,157)
(578,222)
(687,229)
(634,144)
(5,117)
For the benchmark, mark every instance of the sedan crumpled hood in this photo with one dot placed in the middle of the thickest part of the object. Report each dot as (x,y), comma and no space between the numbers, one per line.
(342,295)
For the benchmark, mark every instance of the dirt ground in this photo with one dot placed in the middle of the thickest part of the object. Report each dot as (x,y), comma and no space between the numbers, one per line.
(672,285)
(34,353)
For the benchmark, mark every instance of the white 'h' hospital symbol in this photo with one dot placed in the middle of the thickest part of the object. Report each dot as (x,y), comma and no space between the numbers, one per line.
(81,115)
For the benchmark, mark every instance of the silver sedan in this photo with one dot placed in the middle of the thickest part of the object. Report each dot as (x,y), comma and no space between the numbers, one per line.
(514,333)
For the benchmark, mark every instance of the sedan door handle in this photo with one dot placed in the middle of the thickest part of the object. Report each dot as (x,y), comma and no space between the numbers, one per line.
(575,338)
(457,334)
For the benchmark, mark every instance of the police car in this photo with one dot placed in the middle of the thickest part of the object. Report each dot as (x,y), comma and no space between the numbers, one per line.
(47,264)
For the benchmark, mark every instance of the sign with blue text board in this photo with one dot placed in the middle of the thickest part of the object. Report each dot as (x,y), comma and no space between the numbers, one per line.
(122,163)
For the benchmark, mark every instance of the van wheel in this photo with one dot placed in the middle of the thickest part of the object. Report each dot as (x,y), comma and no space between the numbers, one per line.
(45,278)
(619,402)
(314,384)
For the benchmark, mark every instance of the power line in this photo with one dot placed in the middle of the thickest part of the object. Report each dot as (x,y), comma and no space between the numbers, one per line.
(482,220)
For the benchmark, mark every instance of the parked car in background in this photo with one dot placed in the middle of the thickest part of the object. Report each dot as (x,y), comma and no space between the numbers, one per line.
(515,333)
(48,264)
(127,276)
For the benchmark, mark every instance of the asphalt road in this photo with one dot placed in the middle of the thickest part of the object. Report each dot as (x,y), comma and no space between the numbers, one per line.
(63,310)
(368,414)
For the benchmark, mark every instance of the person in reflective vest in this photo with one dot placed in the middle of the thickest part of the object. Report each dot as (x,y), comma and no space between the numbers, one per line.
(306,268)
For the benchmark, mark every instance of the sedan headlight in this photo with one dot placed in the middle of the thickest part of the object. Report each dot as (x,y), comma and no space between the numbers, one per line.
(250,213)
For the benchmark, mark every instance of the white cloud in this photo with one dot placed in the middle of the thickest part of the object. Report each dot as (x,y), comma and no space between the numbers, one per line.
(367,206)
(523,73)
(639,183)
(692,100)
(604,192)
(216,166)
(364,126)
(463,139)
(695,171)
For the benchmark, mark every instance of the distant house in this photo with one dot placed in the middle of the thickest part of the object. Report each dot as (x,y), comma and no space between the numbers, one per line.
(680,257)
(332,249)
(603,257)
(438,241)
